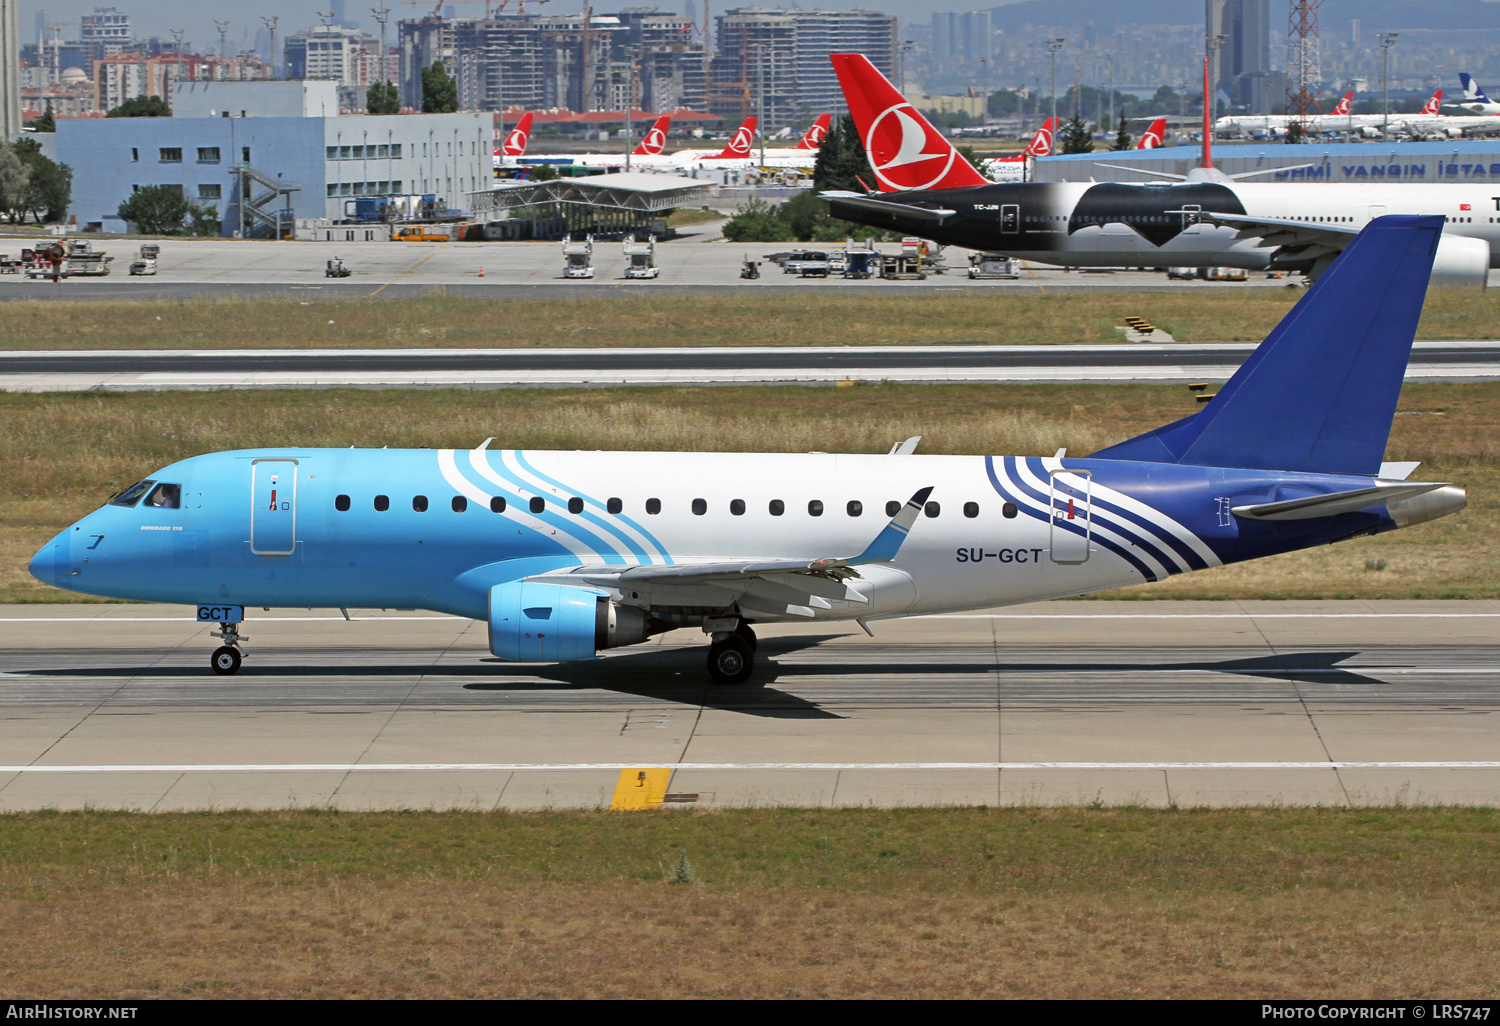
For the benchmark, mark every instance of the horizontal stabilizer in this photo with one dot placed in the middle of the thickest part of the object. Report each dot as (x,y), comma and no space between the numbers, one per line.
(1312,506)
(890,207)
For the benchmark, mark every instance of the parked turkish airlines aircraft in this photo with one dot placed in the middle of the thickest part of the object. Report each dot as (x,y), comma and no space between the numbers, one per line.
(655,139)
(514,146)
(1014,167)
(564,554)
(814,135)
(1152,137)
(1203,219)
(1427,121)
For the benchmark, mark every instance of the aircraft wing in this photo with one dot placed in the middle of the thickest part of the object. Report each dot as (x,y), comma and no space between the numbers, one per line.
(880,206)
(1298,244)
(775,586)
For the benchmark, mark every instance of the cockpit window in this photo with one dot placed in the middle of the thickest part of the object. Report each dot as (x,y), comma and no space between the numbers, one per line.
(132,495)
(165,496)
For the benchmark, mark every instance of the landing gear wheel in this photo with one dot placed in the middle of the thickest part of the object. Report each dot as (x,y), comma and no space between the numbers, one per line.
(730,661)
(744,631)
(225,660)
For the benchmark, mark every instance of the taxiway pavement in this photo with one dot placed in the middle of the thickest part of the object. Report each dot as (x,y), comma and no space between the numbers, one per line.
(1154,703)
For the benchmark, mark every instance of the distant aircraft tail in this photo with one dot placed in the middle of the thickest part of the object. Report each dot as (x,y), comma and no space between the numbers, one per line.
(1041,143)
(654,141)
(1473,92)
(515,143)
(814,137)
(1153,136)
(1434,105)
(739,145)
(905,151)
(1341,109)
(1319,394)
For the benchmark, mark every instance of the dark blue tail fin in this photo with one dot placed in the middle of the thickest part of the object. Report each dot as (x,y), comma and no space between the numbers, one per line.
(1319,393)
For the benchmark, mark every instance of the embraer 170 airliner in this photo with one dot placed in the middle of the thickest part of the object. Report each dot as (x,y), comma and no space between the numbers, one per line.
(563,554)
(1203,219)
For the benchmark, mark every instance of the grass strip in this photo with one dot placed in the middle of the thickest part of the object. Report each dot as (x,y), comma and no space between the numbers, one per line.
(66,453)
(858,317)
(1394,902)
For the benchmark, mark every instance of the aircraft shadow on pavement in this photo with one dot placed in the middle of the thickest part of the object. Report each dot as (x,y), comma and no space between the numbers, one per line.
(677,675)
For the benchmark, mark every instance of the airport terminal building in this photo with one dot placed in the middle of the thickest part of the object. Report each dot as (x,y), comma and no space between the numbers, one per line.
(264,152)
(1334,163)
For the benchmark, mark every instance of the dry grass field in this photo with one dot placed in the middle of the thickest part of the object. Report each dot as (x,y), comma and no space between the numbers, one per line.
(65,454)
(1395,903)
(855,318)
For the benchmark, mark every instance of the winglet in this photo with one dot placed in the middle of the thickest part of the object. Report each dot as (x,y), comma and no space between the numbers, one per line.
(888,542)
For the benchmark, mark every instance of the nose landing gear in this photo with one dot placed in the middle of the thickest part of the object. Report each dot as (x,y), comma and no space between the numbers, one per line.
(227,657)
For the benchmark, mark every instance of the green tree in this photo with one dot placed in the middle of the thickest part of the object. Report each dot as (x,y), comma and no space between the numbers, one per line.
(1122,135)
(1296,133)
(45,123)
(968,153)
(1076,137)
(142,107)
(842,162)
(755,221)
(439,90)
(382,98)
(202,221)
(14,178)
(544,172)
(49,186)
(156,210)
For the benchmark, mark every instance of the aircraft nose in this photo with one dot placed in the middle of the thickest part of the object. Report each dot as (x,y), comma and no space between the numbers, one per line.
(43,565)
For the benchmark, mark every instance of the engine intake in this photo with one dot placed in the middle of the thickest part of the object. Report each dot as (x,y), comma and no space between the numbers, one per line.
(554,623)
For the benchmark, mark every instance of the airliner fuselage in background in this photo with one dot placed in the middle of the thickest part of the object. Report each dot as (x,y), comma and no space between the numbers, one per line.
(1203,219)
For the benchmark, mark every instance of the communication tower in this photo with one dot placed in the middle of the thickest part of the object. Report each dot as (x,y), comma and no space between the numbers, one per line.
(1303,70)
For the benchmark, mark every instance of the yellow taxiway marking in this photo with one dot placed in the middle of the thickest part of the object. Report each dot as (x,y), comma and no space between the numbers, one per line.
(640,789)
(404,273)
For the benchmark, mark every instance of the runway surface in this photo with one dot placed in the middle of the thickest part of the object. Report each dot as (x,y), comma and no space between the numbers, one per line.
(204,369)
(1152,703)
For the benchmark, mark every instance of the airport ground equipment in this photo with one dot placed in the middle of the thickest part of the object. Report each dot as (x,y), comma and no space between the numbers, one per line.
(76,258)
(336,269)
(423,233)
(640,258)
(861,259)
(564,553)
(906,264)
(992,265)
(578,257)
(749,268)
(145,263)
(807,263)
(9,264)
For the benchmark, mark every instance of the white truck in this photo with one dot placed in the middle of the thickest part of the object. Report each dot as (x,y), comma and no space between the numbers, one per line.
(578,257)
(640,258)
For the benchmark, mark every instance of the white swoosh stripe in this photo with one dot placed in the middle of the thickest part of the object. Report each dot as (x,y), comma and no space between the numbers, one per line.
(1147,512)
(522,515)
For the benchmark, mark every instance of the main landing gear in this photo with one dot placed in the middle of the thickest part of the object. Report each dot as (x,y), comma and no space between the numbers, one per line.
(731,657)
(227,657)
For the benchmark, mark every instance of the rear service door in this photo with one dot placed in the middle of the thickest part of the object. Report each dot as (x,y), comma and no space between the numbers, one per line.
(273,507)
(1071,490)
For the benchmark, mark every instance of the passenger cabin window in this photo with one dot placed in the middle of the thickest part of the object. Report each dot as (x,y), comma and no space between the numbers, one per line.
(460,504)
(575,505)
(855,507)
(614,505)
(892,508)
(737,507)
(971,510)
(419,503)
(653,506)
(132,495)
(538,504)
(165,496)
(777,507)
(1008,511)
(815,507)
(341,503)
(932,509)
(700,507)
(382,503)
(497,504)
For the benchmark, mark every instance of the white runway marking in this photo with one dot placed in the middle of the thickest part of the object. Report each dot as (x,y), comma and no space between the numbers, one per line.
(925,616)
(320,767)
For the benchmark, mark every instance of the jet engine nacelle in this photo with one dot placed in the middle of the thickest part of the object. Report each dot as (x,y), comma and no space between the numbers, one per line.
(1461,262)
(554,623)
(1371,132)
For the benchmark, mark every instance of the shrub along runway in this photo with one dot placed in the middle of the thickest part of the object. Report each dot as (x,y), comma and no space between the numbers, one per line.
(1190,704)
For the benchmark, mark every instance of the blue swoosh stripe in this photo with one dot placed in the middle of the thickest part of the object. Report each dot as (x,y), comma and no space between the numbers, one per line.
(597,520)
(600,546)
(1189,555)
(1150,542)
(1168,563)
(1129,557)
